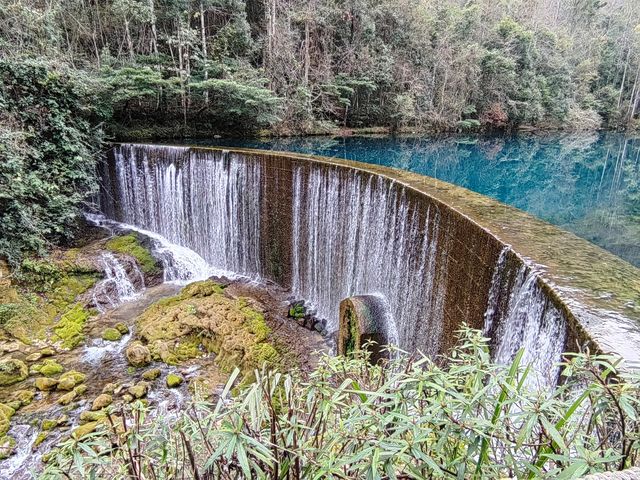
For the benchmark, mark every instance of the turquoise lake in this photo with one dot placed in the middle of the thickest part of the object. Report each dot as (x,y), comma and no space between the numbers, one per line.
(587,184)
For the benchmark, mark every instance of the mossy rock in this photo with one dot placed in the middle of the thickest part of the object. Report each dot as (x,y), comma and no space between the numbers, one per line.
(67,398)
(51,368)
(34,357)
(152,374)
(80,389)
(122,328)
(139,390)
(6,412)
(138,355)
(111,335)
(42,436)
(130,245)
(69,329)
(7,447)
(92,416)
(103,400)
(48,424)
(174,381)
(70,379)
(47,352)
(84,430)
(15,404)
(45,384)
(25,397)
(12,371)
(109,388)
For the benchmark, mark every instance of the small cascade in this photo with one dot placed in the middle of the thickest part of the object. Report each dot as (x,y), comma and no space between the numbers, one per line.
(520,315)
(122,284)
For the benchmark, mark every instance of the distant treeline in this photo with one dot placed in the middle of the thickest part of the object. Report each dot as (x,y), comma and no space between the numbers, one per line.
(166,67)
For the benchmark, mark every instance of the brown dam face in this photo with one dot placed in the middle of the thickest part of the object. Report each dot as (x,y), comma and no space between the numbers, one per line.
(438,254)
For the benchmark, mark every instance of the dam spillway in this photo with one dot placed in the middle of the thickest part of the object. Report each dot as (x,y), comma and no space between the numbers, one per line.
(440,255)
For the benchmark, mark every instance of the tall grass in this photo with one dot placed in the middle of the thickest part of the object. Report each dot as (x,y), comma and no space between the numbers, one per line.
(410,418)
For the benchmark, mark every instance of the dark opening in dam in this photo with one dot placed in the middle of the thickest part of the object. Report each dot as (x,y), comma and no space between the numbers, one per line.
(440,255)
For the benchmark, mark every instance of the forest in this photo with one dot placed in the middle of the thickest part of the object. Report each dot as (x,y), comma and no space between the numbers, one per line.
(75,72)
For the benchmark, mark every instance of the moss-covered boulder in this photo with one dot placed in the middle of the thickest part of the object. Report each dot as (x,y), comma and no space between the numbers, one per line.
(67,398)
(103,400)
(68,381)
(48,424)
(203,318)
(92,416)
(152,374)
(139,390)
(51,368)
(6,412)
(45,384)
(7,447)
(138,355)
(111,335)
(174,381)
(84,430)
(130,245)
(25,397)
(12,371)
(122,328)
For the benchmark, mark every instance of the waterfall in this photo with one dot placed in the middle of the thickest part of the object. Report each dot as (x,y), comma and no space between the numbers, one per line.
(329,232)
(520,315)
(121,283)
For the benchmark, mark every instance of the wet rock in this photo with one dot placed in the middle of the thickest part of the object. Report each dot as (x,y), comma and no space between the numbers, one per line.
(122,328)
(11,347)
(92,416)
(127,398)
(69,380)
(139,390)
(67,398)
(25,397)
(7,447)
(111,335)
(85,429)
(42,436)
(138,355)
(12,371)
(34,357)
(45,384)
(109,388)
(152,374)
(47,352)
(174,380)
(6,412)
(15,404)
(48,424)
(80,389)
(50,368)
(103,400)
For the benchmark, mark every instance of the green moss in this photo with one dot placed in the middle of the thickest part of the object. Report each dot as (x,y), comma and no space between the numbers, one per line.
(151,374)
(12,371)
(69,287)
(174,381)
(42,436)
(84,430)
(69,328)
(6,412)
(122,328)
(111,335)
(256,324)
(49,424)
(7,447)
(51,368)
(25,397)
(130,245)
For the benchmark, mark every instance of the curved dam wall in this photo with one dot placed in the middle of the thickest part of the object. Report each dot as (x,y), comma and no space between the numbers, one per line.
(439,254)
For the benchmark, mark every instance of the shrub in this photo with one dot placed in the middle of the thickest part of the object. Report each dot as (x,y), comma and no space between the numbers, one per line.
(409,418)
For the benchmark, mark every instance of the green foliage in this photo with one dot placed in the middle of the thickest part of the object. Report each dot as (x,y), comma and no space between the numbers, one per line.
(48,147)
(408,419)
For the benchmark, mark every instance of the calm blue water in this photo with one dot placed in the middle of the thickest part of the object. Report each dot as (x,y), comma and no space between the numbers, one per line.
(587,184)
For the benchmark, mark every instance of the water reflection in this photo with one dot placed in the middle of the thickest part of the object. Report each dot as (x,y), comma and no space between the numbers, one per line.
(587,184)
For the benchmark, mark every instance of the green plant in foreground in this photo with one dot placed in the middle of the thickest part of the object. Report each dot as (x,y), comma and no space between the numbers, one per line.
(410,418)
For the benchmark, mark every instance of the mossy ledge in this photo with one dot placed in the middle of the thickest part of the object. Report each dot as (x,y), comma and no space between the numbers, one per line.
(203,319)
(130,244)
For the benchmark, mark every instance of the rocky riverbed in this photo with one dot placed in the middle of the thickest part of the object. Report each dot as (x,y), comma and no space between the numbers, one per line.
(96,327)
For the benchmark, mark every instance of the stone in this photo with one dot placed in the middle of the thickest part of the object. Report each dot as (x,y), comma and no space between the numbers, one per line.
(151,374)
(139,390)
(80,389)
(111,335)
(89,416)
(85,429)
(45,384)
(122,328)
(69,380)
(67,398)
(50,368)
(48,424)
(47,352)
(6,413)
(128,398)
(15,404)
(138,355)
(174,380)
(25,397)
(42,436)
(103,400)
(12,371)
(7,447)
(34,357)
(109,388)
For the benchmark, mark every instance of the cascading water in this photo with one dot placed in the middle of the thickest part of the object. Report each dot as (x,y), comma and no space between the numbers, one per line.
(328,233)
(519,315)
(119,285)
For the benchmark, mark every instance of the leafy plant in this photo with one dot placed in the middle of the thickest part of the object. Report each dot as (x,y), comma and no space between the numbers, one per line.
(410,418)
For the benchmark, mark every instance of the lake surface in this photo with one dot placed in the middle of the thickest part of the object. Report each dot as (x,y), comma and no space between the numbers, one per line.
(587,184)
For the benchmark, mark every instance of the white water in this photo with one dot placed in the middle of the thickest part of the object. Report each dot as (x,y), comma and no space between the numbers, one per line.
(117,287)
(519,315)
